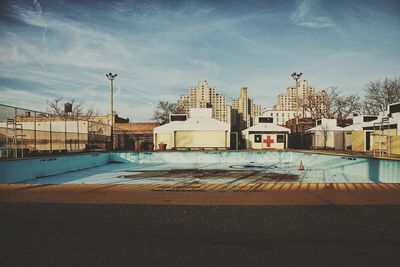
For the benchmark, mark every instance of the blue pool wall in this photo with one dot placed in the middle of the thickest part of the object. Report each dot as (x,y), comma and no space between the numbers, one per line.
(13,171)
(376,170)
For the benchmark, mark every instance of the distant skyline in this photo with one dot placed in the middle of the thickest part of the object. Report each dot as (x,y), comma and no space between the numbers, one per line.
(159,49)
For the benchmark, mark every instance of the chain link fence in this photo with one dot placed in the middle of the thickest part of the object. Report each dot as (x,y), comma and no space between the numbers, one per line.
(25,132)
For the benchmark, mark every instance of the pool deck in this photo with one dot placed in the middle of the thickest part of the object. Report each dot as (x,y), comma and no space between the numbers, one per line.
(218,194)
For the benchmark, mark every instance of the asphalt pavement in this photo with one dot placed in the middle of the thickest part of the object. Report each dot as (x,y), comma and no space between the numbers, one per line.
(39,234)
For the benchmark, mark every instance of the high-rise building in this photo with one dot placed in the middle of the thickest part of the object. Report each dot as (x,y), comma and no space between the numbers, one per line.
(244,111)
(294,95)
(203,96)
(293,103)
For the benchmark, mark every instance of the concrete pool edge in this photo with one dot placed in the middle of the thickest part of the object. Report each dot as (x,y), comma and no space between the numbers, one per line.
(275,194)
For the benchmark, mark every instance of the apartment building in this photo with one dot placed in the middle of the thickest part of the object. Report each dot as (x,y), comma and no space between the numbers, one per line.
(294,102)
(204,96)
(244,111)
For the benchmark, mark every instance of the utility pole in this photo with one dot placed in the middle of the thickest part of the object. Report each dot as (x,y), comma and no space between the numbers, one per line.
(111,77)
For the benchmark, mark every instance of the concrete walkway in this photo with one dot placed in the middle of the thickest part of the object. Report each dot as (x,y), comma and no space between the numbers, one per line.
(206,194)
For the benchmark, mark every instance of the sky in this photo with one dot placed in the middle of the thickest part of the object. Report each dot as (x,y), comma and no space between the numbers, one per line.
(59,48)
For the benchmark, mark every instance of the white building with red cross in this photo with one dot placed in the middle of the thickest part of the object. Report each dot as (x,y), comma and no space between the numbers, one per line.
(266,134)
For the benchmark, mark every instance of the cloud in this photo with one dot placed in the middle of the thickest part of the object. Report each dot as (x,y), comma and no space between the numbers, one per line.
(161,48)
(304,15)
(19,98)
(82,45)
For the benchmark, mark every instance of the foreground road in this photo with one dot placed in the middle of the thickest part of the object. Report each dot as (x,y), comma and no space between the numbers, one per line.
(39,234)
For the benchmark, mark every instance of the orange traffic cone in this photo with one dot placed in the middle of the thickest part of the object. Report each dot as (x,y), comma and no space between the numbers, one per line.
(301,167)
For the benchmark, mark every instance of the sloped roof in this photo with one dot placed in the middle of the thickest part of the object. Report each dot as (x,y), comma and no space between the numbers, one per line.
(265,127)
(354,127)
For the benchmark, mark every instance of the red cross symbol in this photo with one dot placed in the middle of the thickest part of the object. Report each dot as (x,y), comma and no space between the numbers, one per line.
(268,141)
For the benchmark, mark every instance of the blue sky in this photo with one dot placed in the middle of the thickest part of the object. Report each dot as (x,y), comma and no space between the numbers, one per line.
(59,48)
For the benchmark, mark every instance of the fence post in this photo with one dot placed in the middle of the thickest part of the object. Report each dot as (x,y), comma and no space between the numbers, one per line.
(34,133)
(77,129)
(65,133)
(51,136)
(15,134)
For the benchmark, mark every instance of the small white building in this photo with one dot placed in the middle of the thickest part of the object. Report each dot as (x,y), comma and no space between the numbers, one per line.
(266,134)
(327,135)
(200,131)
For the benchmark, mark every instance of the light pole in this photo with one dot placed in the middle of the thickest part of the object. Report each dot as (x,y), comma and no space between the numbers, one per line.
(111,77)
(296,77)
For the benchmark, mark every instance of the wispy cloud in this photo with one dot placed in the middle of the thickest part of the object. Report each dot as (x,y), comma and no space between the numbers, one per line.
(18,97)
(306,15)
(82,46)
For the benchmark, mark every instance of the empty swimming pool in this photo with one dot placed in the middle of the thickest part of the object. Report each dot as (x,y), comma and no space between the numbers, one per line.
(191,168)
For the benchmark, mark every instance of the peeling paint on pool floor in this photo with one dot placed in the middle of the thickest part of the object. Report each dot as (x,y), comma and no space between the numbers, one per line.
(181,174)
(212,174)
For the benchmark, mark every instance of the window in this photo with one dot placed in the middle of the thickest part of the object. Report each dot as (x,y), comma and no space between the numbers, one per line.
(257,138)
(280,138)
(394,108)
(369,118)
(265,120)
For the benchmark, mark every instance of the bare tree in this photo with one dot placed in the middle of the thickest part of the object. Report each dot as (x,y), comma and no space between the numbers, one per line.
(78,111)
(163,109)
(379,94)
(324,131)
(331,104)
(180,107)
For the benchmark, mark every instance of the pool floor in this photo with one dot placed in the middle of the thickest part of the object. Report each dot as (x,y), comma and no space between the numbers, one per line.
(197,173)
